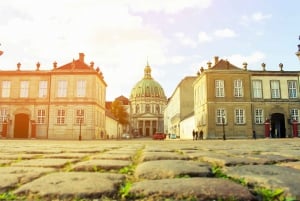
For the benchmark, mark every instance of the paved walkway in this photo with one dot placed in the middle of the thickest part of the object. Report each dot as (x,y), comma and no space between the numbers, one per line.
(265,169)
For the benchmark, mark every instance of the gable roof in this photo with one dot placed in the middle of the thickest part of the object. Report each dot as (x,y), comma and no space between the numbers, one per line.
(75,65)
(224,65)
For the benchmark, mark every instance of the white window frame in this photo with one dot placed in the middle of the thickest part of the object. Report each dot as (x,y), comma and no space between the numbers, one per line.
(220,114)
(238,88)
(257,89)
(41,116)
(219,88)
(61,115)
(81,88)
(24,89)
(79,116)
(6,85)
(3,114)
(275,88)
(295,114)
(62,88)
(239,116)
(259,116)
(43,86)
(292,88)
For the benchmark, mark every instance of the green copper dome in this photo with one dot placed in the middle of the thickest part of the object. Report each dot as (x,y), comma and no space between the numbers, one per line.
(147,87)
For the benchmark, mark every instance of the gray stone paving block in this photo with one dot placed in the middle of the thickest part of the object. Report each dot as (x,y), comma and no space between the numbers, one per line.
(67,155)
(120,156)
(270,158)
(295,165)
(72,185)
(44,162)
(220,160)
(150,156)
(268,176)
(19,156)
(94,165)
(162,169)
(5,162)
(13,176)
(201,189)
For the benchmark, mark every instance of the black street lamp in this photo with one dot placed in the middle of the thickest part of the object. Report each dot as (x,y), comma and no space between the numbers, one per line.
(223,124)
(80,121)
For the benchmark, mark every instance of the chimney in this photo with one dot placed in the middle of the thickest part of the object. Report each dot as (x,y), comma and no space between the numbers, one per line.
(281,66)
(263,66)
(245,65)
(54,64)
(209,65)
(81,57)
(216,59)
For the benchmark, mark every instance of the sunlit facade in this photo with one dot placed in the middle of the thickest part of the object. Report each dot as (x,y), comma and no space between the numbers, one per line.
(235,101)
(147,105)
(67,102)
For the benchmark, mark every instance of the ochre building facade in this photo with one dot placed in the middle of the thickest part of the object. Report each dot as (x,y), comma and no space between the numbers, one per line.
(232,102)
(67,102)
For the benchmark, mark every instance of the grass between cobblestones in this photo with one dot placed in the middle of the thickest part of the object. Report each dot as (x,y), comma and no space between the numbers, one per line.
(129,172)
(261,193)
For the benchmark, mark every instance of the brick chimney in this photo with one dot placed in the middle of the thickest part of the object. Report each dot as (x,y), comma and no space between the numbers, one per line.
(81,57)
(216,58)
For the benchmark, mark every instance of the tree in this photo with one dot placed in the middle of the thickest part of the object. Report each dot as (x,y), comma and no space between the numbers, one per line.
(120,112)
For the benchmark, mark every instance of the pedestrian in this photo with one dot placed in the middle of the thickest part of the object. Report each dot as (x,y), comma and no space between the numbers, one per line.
(197,135)
(194,134)
(254,134)
(201,135)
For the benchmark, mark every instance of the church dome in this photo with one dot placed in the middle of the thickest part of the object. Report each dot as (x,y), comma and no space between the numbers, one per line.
(147,87)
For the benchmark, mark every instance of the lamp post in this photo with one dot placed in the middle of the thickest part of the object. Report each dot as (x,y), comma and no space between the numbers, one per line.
(80,121)
(223,125)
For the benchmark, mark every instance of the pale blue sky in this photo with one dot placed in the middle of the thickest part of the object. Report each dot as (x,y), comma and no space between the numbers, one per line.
(177,36)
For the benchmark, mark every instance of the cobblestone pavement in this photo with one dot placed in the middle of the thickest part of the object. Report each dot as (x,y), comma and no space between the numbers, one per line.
(140,169)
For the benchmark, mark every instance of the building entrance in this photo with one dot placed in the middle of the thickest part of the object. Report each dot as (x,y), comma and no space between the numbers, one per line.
(278,126)
(21,128)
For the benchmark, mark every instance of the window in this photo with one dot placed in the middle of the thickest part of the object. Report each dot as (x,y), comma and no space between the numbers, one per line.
(239,116)
(3,114)
(24,89)
(219,87)
(292,89)
(238,88)
(275,89)
(147,91)
(79,116)
(60,116)
(147,108)
(259,116)
(137,110)
(257,88)
(221,116)
(157,109)
(81,88)
(295,114)
(41,114)
(5,89)
(43,89)
(62,88)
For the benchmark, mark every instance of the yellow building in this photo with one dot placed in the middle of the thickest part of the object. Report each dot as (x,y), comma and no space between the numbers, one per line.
(233,102)
(67,102)
(147,104)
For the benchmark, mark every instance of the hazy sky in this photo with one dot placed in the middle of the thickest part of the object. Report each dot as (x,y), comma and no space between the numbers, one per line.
(177,37)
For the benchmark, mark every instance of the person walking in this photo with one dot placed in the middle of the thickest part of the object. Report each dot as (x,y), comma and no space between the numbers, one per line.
(194,134)
(254,134)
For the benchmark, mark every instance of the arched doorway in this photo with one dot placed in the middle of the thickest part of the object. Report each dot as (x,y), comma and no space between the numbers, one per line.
(21,129)
(277,126)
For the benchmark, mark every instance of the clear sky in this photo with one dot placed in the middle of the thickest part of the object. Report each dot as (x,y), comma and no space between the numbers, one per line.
(177,37)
